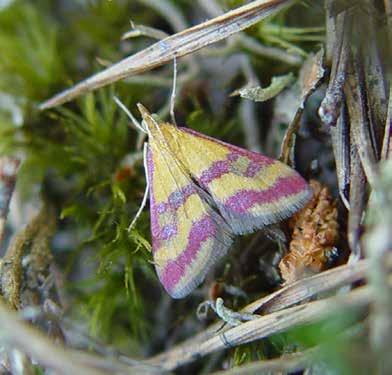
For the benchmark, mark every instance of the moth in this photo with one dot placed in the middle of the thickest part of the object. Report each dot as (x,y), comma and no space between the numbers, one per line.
(204,192)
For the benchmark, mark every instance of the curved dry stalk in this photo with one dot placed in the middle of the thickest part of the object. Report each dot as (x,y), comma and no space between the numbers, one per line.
(177,45)
(15,333)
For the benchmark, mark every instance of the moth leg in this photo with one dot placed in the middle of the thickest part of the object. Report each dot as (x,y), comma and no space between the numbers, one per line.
(145,196)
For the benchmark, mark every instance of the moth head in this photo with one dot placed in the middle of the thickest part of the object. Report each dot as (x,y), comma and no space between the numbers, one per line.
(149,122)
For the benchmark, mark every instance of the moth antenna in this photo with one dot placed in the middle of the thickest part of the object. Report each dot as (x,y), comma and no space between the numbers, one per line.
(145,196)
(173,94)
(135,122)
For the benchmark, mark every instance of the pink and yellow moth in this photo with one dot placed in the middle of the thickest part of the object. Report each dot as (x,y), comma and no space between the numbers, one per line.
(203,192)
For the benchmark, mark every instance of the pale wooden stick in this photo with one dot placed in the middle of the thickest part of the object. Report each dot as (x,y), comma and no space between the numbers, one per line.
(177,45)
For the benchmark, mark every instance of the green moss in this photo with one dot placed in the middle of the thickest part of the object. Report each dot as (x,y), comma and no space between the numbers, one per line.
(30,60)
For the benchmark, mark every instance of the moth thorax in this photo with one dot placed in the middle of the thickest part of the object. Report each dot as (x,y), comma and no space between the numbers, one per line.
(165,135)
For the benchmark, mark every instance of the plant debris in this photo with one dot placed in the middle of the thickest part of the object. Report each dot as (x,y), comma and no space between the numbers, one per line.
(315,233)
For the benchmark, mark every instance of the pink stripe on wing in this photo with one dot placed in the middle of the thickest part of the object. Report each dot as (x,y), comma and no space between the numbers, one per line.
(174,270)
(218,169)
(244,199)
(254,168)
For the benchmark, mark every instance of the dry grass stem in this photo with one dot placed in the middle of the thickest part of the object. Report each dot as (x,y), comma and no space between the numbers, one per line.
(177,45)
(265,326)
